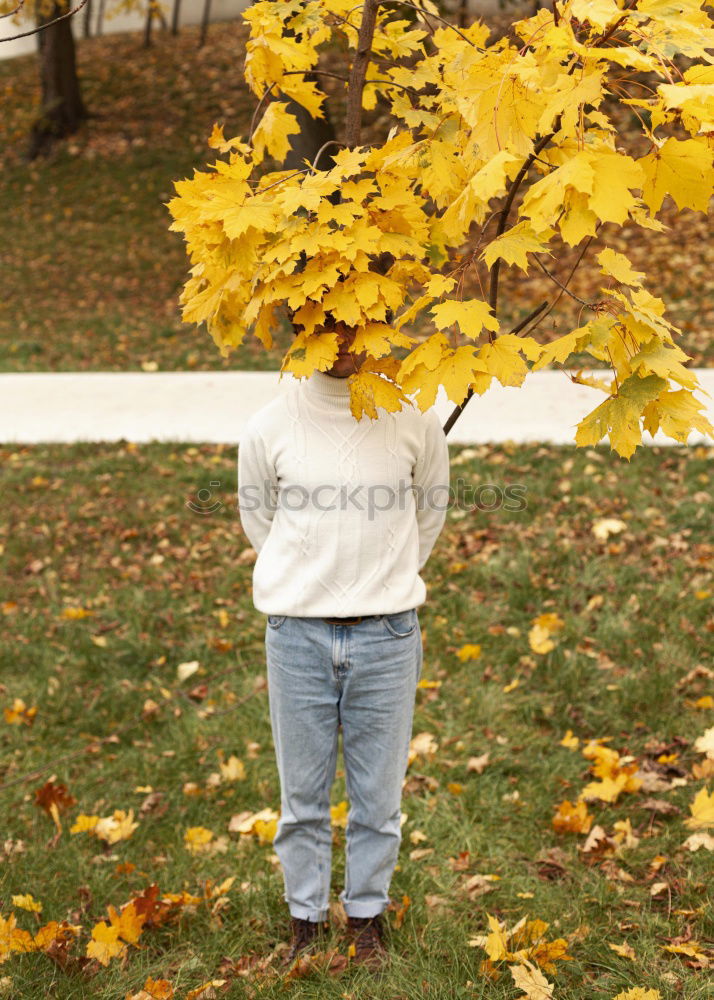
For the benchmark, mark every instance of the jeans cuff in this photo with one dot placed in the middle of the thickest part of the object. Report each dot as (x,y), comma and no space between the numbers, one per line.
(305,913)
(363,910)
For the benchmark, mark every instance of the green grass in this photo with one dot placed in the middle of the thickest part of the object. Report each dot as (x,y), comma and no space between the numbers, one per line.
(92,274)
(106,528)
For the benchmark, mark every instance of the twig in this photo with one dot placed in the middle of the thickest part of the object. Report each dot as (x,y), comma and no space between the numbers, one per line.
(41,27)
(458,410)
(436,17)
(503,220)
(257,109)
(15,11)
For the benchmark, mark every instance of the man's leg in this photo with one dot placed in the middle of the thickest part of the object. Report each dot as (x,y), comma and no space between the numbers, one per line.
(377,708)
(303,697)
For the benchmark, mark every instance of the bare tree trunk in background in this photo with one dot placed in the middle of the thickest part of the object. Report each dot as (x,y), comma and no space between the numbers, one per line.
(463,14)
(63,109)
(205,21)
(175,15)
(148,24)
(88,19)
(100,18)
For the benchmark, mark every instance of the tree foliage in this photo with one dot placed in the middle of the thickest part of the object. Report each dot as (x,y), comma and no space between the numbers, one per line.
(499,154)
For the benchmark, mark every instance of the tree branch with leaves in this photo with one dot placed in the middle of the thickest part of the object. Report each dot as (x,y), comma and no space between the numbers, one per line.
(523,131)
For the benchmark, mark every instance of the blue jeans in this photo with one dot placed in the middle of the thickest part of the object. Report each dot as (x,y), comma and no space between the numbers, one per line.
(362,677)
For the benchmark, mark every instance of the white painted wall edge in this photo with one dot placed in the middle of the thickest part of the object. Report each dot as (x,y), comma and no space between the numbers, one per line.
(213,407)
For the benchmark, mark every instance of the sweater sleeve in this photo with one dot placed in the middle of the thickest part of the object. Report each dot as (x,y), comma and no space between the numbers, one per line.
(431,477)
(257,487)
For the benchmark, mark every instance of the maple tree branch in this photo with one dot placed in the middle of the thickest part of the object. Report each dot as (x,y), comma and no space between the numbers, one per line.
(353,119)
(458,410)
(41,27)
(503,220)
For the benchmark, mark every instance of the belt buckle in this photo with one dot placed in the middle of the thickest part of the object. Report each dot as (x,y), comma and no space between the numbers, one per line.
(344,621)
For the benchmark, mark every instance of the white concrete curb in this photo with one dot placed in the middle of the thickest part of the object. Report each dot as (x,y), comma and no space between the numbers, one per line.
(214,406)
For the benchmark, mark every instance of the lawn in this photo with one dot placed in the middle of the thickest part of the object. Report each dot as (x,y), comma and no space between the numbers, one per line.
(92,274)
(114,589)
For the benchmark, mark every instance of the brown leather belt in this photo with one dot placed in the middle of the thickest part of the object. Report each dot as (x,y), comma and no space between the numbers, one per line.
(348,621)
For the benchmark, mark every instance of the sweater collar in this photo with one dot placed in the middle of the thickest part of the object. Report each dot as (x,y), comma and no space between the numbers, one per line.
(327,391)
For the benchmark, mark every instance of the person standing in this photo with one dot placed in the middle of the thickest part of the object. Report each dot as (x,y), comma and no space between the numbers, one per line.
(343,515)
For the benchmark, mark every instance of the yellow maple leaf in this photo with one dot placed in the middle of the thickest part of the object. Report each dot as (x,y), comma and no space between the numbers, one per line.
(514,245)
(105,944)
(681,169)
(233,769)
(197,839)
(570,741)
(572,817)
(530,979)
(624,949)
(539,640)
(119,826)
(702,810)
(20,714)
(27,902)
(128,922)
(338,814)
(471,315)
(12,938)
(470,651)
(272,132)
(84,824)
(619,267)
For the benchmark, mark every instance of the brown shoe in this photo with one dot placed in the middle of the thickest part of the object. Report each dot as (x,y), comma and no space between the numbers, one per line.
(367,936)
(305,934)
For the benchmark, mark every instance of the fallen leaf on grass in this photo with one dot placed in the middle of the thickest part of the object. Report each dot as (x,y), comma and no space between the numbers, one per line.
(705,743)
(702,810)
(572,817)
(531,980)
(624,949)
(20,714)
(207,991)
(697,840)
(477,764)
(638,993)
(153,989)
(27,902)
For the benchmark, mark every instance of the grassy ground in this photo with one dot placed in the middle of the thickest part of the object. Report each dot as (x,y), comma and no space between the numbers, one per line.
(107,529)
(92,274)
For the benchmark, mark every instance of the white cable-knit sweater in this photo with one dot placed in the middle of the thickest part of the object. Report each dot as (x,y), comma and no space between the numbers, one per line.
(343,513)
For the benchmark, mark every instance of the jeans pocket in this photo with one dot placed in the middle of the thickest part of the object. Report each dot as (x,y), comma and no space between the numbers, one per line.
(275,621)
(402,624)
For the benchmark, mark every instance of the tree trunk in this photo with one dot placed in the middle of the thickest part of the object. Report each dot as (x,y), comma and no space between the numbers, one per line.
(205,21)
(176,14)
(100,18)
(63,109)
(148,23)
(88,19)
